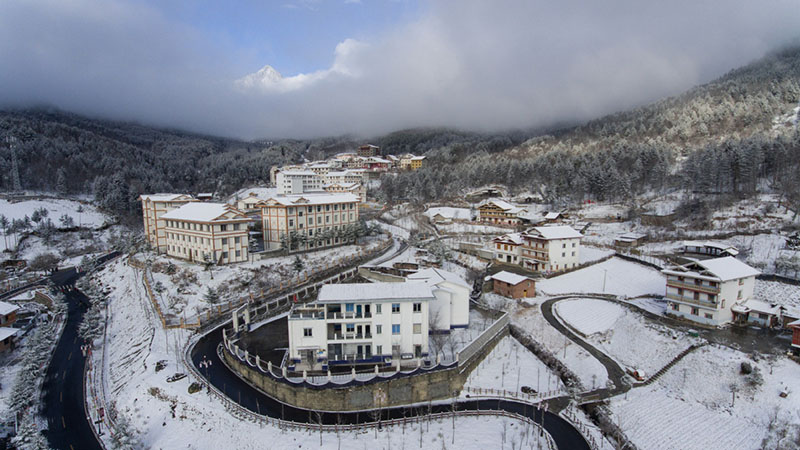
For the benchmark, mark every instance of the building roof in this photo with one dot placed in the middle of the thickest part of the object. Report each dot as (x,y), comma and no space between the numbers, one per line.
(297,173)
(632,236)
(508,277)
(502,204)
(6,332)
(761,307)
(417,158)
(203,212)
(724,247)
(437,276)
(555,232)
(164,197)
(337,293)
(7,308)
(724,269)
(514,238)
(552,215)
(314,199)
(796,323)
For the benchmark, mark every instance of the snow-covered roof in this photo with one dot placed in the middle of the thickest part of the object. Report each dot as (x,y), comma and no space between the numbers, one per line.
(515,238)
(504,205)
(165,197)
(379,160)
(508,277)
(418,158)
(724,269)
(437,276)
(552,215)
(554,232)
(344,173)
(314,199)
(297,173)
(6,332)
(796,323)
(761,307)
(724,247)
(632,236)
(337,293)
(450,213)
(203,212)
(7,308)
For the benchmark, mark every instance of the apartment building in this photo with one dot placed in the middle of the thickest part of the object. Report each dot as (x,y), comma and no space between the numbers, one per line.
(154,206)
(345,176)
(371,323)
(369,150)
(304,222)
(450,309)
(551,248)
(197,231)
(298,182)
(706,291)
(416,162)
(498,212)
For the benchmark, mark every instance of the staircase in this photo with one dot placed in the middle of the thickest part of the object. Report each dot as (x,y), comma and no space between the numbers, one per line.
(669,365)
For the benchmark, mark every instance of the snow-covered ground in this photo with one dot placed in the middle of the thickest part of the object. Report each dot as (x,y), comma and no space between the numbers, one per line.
(590,254)
(399,232)
(262,193)
(775,292)
(450,213)
(602,211)
(624,335)
(692,407)
(90,217)
(473,228)
(510,366)
(166,416)
(586,367)
(620,277)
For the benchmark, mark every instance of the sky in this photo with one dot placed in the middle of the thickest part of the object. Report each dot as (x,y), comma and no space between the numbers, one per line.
(368,67)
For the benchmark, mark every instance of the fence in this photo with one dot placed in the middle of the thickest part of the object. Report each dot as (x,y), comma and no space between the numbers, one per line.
(583,428)
(466,353)
(514,395)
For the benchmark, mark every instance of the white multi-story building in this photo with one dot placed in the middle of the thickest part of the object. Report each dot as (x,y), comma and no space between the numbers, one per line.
(506,248)
(377,323)
(298,182)
(197,231)
(551,249)
(369,323)
(308,221)
(705,291)
(154,206)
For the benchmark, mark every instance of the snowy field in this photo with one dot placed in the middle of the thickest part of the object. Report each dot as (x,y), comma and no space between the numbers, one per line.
(775,292)
(589,316)
(473,228)
(90,217)
(510,366)
(450,213)
(602,211)
(590,254)
(624,335)
(167,416)
(586,367)
(619,276)
(399,232)
(694,403)
(600,233)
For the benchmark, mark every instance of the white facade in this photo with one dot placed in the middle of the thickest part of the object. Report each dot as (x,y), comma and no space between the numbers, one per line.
(199,231)
(551,249)
(507,248)
(705,291)
(450,309)
(298,182)
(372,323)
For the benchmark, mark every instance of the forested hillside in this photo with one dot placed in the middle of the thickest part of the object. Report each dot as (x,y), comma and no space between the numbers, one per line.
(722,137)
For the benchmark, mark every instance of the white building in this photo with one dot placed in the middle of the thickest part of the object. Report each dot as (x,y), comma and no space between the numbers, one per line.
(154,206)
(507,248)
(370,323)
(197,231)
(551,249)
(298,182)
(450,309)
(308,221)
(705,291)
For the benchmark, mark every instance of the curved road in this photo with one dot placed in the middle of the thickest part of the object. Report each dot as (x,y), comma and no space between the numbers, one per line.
(563,433)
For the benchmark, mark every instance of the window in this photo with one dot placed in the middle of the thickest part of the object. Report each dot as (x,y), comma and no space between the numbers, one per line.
(224,255)
(327,207)
(378,329)
(307,332)
(762,316)
(238,253)
(573,253)
(310,209)
(573,245)
(563,245)
(417,328)
(336,207)
(708,316)
(675,307)
(291,222)
(235,226)
(741,281)
(300,214)
(378,308)
(237,240)
(417,307)
(319,208)
(290,211)
(680,292)
(563,254)
(350,328)
(722,304)
(695,311)
(223,228)
(327,219)
(739,295)
(396,329)
(395,308)
(349,307)
(697,296)
(378,349)
(311,221)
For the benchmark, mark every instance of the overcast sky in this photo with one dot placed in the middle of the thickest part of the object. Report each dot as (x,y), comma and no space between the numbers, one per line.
(372,66)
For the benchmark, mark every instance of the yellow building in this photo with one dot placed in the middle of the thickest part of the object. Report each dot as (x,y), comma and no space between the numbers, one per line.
(416,162)
(154,206)
(197,231)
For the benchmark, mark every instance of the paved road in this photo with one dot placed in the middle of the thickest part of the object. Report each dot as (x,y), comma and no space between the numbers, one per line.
(564,434)
(68,428)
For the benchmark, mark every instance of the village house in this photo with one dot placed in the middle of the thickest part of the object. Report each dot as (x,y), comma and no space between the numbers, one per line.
(713,249)
(369,150)
(8,314)
(377,323)
(506,248)
(705,291)
(512,285)
(154,206)
(756,312)
(551,248)
(200,232)
(8,335)
(498,212)
(416,162)
(303,222)
(795,345)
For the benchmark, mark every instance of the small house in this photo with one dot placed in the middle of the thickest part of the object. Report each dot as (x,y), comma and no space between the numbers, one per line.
(8,314)
(795,345)
(512,285)
(630,240)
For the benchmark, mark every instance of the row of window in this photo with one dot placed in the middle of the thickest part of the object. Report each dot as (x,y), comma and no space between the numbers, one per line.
(310,220)
(310,209)
(203,241)
(351,328)
(177,250)
(201,226)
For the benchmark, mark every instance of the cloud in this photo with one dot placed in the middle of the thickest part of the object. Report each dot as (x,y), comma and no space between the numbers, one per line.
(481,65)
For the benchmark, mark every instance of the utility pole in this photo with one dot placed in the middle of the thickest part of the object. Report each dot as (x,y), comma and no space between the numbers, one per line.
(605,273)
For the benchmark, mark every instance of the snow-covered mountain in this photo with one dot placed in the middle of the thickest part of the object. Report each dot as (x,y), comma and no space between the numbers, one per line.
(266,76)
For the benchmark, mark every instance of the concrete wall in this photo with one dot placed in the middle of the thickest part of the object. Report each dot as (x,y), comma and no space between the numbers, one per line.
(428,386)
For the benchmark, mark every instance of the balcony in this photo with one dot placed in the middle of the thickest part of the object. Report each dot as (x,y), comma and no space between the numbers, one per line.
(535,256)
(307,315)
(340,315)
(693,286)
(349,336)
(691,300)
